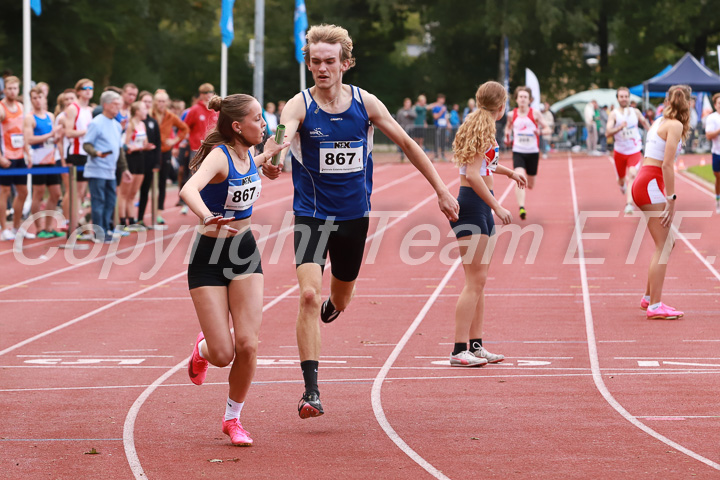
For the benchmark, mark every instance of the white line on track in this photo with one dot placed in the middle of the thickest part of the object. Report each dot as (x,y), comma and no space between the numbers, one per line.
(129,426)
(375,395)
(592,343)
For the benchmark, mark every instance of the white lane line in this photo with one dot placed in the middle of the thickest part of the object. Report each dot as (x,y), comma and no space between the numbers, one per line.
(592,345)
(694,184)
(377,384)
(129,426)
(697,254)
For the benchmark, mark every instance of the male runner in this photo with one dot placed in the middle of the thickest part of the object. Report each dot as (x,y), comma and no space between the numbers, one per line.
(712,132)
(622,125)
(40,134)
(331,126)
(523,123)
(12,155)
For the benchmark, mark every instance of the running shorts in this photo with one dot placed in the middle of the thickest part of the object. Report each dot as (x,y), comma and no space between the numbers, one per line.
(476,216)
(78,161)
(215,262)
(649,186)
(528,161)
(623,162)
(49,180)
(344,241)
(7,180)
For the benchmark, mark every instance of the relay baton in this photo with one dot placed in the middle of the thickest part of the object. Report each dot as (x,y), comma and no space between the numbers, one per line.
(279,139)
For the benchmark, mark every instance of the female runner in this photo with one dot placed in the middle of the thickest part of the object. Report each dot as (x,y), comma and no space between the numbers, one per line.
(221,193)
(654,193)
(476,153)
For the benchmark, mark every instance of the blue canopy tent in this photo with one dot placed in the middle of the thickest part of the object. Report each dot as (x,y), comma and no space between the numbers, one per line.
(686,71)
(638,89)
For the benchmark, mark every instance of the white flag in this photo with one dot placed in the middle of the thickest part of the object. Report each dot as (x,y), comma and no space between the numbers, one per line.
(532,82)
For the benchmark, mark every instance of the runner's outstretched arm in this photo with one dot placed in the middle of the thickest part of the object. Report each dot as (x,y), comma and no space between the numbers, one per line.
(381,118)
(292,116)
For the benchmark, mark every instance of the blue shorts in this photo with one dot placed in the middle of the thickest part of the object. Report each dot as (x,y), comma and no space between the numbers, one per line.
(7,180)
(476,216)
(716,162)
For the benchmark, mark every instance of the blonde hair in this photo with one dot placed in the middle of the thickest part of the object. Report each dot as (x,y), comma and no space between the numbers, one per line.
(81,83)
(232,108)
(477,134)
(677,106)
(12,79)
(331,34)
(134,107)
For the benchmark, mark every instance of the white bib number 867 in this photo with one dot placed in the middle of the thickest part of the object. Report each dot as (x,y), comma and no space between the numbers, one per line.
(242,197)
(341,157)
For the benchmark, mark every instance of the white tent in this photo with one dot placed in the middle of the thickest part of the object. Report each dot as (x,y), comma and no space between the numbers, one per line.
(603,96)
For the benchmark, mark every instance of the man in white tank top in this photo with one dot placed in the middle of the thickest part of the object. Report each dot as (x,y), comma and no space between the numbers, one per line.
(622,125)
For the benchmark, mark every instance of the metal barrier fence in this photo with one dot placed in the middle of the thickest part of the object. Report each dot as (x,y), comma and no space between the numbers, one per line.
(566,136)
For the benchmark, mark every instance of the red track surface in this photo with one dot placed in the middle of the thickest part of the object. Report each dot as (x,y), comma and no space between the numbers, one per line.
(90,362)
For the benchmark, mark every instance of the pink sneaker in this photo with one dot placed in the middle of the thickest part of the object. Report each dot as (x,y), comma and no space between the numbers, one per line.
(238,436)
(664,312)
(644,303)
(197,366)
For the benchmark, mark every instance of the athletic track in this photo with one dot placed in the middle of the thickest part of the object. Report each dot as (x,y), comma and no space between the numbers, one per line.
(93,355)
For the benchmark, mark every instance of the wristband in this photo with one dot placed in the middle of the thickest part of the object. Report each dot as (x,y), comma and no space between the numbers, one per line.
(206,219)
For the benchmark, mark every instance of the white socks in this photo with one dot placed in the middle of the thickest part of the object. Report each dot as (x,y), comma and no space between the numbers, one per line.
(655,306)
(647,298)
(233,409)
(200,345)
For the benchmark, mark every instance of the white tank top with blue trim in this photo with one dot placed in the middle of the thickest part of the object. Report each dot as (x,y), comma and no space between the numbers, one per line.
(332,161)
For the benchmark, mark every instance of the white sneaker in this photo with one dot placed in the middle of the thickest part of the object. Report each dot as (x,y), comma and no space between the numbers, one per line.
(184,210)
(629,209)
(717,208)
(7,235)
(466,359)
(487,356)
(24,233)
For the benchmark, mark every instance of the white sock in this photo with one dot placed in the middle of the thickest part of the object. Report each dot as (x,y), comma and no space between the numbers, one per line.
(200,345)
(655,306)
(647,298)
(233,409)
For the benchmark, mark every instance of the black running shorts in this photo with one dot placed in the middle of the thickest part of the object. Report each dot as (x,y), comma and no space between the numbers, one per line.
(344,241)
(215,262)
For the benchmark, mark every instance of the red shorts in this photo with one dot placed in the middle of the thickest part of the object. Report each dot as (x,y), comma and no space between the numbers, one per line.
(622,162)
(649,186)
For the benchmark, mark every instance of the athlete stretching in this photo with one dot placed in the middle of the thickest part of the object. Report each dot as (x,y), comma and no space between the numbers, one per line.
(331,127)
(622,124)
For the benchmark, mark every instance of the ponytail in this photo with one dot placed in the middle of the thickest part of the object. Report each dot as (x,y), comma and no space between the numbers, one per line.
(677,106)
(477,133)
(232,108)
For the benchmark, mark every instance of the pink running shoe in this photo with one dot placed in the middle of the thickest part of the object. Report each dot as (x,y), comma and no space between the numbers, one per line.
(197,366)
(238,435)
(644,303)
(664,312)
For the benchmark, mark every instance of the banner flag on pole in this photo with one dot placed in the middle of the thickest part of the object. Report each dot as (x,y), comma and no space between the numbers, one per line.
(226,22)
(36,7)
(506,79)
(301,25)
(531,81)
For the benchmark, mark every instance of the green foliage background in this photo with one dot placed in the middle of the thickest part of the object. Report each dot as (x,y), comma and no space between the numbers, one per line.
(175,44)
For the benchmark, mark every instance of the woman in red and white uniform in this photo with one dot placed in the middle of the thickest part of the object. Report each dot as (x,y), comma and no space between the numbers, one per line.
(523,124)
(622,124)
(654,192)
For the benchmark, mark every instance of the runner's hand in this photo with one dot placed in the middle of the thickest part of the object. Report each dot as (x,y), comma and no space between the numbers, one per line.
(221,222)
(449,206)
(271,171)
(520,179)
(504,215)
(666,217)
(5,163)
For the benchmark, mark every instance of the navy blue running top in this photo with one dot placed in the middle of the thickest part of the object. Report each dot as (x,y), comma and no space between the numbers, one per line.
(332,161)
(234,196)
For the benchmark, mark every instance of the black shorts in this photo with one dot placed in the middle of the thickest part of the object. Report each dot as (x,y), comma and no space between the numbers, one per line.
(136,163)
(215,262)
(49,180)
(344,241)
(528,161)
(476,216)
(78,161)
(7,180)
